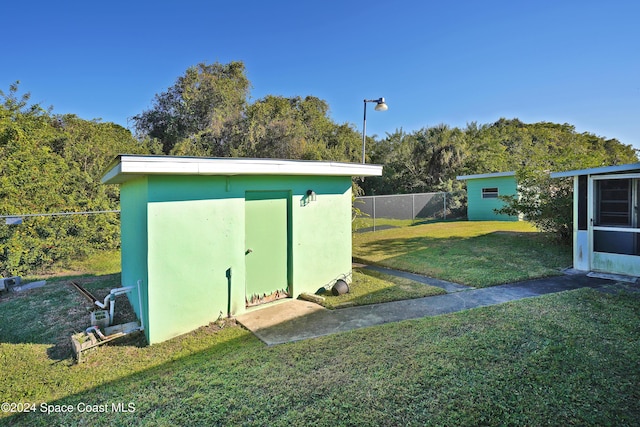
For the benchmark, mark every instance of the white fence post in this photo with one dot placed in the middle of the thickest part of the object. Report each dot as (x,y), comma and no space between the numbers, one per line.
(413,208)
(374,213)
(444,206)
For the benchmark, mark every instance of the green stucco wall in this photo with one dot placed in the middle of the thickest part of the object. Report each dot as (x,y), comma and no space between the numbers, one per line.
(133,223)
(479,209)
(195,243)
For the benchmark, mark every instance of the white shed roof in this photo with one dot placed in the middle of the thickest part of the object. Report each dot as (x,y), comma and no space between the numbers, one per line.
(486,175)
(597,171)
(126,167)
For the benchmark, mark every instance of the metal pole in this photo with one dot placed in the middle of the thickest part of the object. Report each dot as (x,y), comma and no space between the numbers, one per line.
(364,130)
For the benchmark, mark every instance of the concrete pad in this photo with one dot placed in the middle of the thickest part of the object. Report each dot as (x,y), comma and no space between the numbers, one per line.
(616,277)
(276,316)
(28,286)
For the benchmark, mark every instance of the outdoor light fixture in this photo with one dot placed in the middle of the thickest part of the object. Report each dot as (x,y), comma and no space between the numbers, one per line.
(380,106)
(311,195)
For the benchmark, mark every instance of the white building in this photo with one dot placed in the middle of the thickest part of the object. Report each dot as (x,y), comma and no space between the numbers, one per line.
(606,218)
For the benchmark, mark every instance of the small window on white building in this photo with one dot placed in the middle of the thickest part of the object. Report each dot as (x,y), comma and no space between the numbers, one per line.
(490,193)
(614,203)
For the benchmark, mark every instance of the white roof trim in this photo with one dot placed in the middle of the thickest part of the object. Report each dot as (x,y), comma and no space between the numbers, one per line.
(486,175)
(126,167)
(597,171)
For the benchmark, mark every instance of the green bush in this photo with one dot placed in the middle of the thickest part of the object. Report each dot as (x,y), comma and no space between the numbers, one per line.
(546,202)
(51,164)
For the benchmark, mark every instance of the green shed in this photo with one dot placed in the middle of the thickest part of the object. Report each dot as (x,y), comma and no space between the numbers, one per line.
(482,195)
(205,237)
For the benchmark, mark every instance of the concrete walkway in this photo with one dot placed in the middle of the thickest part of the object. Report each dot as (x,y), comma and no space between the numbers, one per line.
(442,284)
(295,320)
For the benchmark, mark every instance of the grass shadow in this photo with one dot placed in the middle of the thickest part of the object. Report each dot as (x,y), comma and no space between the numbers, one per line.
(415,372)
(386,248)
(51,314)
(423,221)
(111,375)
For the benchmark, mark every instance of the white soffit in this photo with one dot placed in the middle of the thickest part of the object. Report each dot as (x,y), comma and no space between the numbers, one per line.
(486,175)
(597,171)
(126,167)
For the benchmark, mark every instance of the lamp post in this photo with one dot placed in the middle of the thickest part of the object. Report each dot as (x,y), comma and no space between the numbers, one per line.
(380,106)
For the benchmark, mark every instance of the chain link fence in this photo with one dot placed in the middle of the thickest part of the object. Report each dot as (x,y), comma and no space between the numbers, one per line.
(380,212)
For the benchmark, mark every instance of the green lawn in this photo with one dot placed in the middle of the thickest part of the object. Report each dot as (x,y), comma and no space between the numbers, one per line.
(98,263)
(563,359)
(477,254)
(371,287)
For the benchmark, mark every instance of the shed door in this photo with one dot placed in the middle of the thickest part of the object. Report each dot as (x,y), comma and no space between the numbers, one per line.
(267,246)
(615,224)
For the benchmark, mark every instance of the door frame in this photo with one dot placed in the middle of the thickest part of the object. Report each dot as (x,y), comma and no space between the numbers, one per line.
(287,197)
(605,261)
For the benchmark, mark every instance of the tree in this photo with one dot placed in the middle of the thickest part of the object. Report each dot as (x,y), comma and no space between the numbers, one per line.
(426,160)
(206,113)
(198,109)
(429,160)
(30,181)
(440,151)
(546,202)
(89,146)
(293,128)
(52,164)
(488,153)
(395,152)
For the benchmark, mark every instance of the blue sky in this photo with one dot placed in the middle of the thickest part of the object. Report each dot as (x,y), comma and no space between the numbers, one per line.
(451,62)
